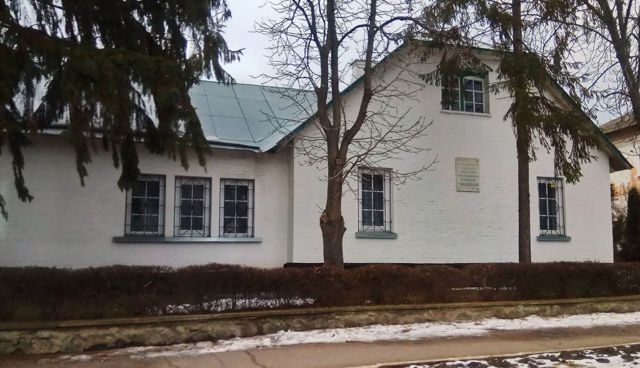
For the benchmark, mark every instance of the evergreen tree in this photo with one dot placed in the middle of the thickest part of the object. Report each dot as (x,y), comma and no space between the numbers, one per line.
(527,75)
(618,220)
(631,243)
(102,67)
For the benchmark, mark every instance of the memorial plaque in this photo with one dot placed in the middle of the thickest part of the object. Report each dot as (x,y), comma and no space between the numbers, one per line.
(467,174)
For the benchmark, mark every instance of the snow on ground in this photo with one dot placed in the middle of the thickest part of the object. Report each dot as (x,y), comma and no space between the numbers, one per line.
(234,304)
(619,356)
(384,333)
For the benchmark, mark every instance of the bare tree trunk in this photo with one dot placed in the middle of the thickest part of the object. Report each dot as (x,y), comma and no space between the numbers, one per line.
(630,78)
(332,222)
(522,144)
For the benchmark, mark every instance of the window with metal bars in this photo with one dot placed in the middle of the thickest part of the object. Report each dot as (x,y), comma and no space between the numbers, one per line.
(236,208)
(374,200)
(145,207)
(551,206)
(192,209)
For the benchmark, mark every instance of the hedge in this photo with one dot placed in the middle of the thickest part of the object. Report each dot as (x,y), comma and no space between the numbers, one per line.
(38,293)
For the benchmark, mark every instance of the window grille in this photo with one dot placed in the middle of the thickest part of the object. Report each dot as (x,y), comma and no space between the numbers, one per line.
(192,209)
(374,200)
(551,206)
(236,208)
(145,206)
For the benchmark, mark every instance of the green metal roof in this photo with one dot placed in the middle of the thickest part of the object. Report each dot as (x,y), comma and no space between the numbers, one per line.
(249,115)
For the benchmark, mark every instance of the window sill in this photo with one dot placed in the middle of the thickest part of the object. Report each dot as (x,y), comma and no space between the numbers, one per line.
(166,239)
(376,235)
(481,114)
(553,238)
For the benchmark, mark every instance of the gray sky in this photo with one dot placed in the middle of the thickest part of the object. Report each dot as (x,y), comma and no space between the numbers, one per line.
(239,34)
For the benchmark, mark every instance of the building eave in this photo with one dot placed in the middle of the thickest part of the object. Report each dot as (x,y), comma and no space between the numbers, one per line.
(59,130)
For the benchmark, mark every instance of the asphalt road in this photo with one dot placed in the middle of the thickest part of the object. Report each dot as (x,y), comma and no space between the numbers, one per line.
(355,354)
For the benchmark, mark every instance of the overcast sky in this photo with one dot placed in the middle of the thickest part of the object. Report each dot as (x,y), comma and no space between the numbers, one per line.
(239,35)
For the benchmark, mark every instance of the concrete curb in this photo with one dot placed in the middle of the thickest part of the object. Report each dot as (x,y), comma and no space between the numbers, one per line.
(80,335)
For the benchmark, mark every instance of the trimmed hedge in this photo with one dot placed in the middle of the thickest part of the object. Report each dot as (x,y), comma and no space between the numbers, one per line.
(36,293)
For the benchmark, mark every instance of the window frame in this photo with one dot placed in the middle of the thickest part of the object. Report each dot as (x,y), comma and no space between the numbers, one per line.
(559,198)
(206,208)
(387,198)
(463,93)
(459,104)
(161,207)
(250,208)
(449,98)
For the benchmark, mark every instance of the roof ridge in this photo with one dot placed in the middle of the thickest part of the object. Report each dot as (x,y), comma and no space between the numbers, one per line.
(618,123)
(256,85)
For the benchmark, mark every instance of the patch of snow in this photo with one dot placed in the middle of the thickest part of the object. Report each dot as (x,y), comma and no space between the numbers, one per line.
(76,358)
(581,358)
(372,333)
(234,304)
(492,288)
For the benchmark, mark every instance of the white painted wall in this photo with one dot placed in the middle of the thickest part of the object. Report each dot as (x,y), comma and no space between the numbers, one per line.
(436,224)
(72,226)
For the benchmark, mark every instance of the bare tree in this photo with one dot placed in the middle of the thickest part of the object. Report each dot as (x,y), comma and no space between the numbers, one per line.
(610,48)
(312,40)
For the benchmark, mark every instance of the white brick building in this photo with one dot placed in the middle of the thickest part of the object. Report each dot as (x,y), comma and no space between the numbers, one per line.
(258,202)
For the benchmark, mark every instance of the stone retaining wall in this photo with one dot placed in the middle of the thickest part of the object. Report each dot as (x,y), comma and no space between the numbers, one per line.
(78,336)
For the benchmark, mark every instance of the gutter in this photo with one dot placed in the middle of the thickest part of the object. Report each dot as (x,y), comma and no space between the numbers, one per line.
(59,130)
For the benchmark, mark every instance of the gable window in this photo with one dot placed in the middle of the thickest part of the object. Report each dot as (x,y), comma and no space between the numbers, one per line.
(374,200)
(192,207)
(145,206)
(236,208)
(464,93)
(551,206)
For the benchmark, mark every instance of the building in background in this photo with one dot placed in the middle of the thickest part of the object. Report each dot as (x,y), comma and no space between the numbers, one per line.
(624,133)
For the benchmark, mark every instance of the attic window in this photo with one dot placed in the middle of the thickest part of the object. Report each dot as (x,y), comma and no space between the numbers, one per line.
(467,93)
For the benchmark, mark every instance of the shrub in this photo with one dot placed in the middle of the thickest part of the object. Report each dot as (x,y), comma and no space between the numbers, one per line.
(38,293)
(631,244)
